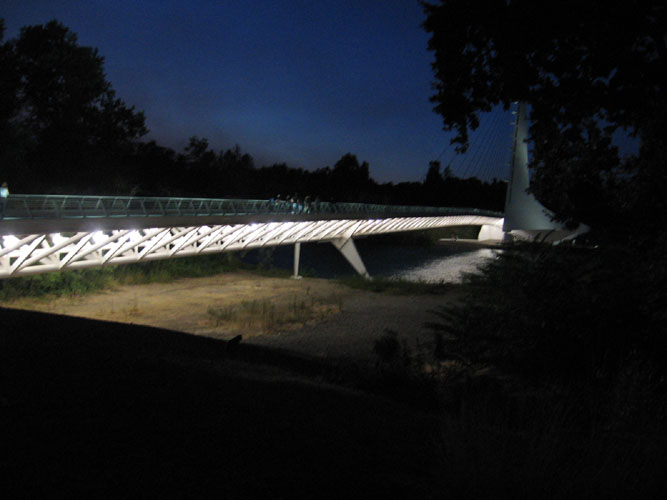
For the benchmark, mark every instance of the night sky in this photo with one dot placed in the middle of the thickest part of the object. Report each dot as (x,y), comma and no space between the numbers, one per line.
(300,82)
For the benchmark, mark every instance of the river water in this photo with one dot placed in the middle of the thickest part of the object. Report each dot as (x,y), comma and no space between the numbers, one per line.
(435,263)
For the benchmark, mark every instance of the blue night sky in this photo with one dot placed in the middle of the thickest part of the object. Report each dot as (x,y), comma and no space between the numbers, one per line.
(295,81)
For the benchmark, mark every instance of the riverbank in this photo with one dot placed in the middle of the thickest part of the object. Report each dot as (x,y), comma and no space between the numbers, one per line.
(111,410)
(328,406)
(321,318)
(106,395)
(469,243)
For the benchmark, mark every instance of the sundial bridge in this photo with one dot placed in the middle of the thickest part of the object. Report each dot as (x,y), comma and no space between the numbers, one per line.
(48,233)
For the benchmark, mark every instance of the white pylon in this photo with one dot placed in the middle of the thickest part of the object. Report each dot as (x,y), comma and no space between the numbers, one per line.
(522,210)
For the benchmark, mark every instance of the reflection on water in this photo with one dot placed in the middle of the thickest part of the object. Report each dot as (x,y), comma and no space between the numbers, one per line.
(437,263)
(448,269)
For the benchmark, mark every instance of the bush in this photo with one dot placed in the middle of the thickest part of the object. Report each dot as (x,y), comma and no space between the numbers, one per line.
(58,283)
(540,450)
(88,280)
(565,317)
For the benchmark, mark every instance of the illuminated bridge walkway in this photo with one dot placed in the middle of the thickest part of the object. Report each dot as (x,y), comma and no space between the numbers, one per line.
(46,233)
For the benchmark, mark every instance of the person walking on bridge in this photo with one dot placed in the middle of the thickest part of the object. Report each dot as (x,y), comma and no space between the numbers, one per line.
(4,194)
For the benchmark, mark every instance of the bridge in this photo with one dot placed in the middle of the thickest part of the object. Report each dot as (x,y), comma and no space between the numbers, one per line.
(47,233)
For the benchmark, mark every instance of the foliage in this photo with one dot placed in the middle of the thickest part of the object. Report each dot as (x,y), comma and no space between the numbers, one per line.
(349,180)
(63,130)
(270,315)
(588,70)
(439,186)
(61,118)
(202,172)
(563,317)
(388,348)
(59,283)
(518,448)
(578,330)
(72,282)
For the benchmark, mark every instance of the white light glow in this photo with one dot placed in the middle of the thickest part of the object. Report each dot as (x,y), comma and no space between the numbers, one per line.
(99,237)
(57,238)
(52,254)
(134,236)
(10,240)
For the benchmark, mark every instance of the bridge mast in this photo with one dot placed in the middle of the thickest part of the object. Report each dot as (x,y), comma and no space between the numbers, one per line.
(522,210)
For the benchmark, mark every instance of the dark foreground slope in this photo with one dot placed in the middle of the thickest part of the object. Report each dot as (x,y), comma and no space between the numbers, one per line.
(113,410)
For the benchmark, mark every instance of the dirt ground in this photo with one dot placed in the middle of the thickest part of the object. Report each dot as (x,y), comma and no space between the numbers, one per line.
(318,317)
(184,304)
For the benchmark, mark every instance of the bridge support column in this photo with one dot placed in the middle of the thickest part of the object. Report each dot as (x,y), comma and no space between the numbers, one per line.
(349,251)
(491,232)
(297,256)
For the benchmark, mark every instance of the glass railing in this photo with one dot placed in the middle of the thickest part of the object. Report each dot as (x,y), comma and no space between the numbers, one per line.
(32,206)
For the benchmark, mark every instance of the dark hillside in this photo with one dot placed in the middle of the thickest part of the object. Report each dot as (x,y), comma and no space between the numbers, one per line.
(110,410)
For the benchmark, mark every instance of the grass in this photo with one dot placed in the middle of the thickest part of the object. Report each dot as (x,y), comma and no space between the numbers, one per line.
(80,282)
(268,315)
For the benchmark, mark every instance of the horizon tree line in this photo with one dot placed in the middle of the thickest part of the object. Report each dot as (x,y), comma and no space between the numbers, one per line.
(63,130)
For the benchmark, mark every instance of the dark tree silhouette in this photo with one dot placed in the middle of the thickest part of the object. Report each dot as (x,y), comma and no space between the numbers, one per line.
(71,128)
(349,180)
(63,130)
(11,141)
(433,183)
(587,69)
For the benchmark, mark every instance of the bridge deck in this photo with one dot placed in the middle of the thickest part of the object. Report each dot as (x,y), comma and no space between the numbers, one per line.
(25,213)
(28,206)
(49,233)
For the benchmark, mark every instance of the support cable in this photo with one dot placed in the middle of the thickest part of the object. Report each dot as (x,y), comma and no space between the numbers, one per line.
(490,157)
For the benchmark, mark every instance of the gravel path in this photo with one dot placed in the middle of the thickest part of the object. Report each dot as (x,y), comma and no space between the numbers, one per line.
(366,316)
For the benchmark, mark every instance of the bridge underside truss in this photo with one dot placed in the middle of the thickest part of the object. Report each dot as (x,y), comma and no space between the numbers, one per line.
(22,255)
